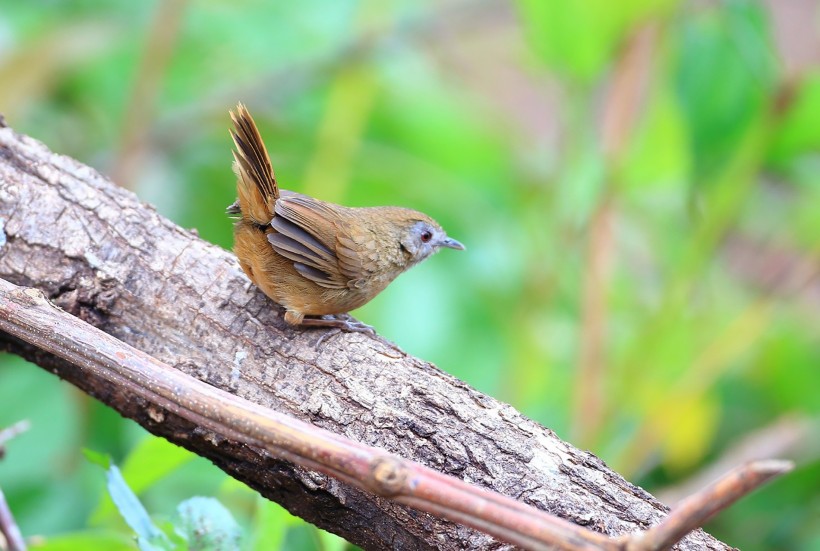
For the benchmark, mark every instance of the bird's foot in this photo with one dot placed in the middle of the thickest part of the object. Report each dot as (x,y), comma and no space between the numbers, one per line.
(351,325)
(338,323)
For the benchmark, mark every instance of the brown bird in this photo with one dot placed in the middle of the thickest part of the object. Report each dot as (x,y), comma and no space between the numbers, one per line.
(316,258)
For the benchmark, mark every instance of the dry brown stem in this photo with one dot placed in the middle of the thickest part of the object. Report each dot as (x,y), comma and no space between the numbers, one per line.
(700,507)
(10,537)
(621,114)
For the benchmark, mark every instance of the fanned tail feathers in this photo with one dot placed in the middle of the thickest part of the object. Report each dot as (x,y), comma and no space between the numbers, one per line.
(255,185)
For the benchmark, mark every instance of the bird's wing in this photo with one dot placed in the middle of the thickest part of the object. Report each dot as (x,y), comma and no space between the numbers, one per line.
(311,234)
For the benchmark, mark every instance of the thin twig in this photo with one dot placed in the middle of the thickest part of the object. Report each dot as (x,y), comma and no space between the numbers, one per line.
(11,432)
(9,528)
(590,378)
(700,507)
(146,89)
(621,113)
(785,437)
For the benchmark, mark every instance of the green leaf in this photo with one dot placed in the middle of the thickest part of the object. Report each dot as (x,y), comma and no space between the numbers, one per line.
(92,539)
(149,537)
(98,458)
(579,38)
(330,542)
(582,186)
(270,525)
(149,462)
(725,74)
(686,437)
(799,131)
(177,539)
(659,154)
(207,525)
(152,460)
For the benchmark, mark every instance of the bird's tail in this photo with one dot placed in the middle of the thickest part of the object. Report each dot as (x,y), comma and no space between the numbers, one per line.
(255,183)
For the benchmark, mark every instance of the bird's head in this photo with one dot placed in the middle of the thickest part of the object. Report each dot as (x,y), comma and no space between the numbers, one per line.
(419,236)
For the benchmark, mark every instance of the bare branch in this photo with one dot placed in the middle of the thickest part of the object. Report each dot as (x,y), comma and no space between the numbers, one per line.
(145,89)
(700,507)
(787,437)
(9,529)
(622,108)
(11,432)
(11,538)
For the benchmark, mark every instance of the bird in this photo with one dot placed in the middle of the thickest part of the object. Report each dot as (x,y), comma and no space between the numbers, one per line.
(318,260)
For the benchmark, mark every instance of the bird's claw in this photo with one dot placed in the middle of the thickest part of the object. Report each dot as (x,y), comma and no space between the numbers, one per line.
(343,322)
(355,326)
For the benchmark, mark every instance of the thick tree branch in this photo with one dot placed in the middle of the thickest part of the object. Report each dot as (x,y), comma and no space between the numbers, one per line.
(100,254)
(26,314)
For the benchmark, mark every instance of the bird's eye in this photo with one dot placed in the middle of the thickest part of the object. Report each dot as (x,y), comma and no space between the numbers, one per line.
(426,236)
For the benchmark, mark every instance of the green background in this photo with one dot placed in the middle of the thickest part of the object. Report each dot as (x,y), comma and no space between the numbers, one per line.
(649,290)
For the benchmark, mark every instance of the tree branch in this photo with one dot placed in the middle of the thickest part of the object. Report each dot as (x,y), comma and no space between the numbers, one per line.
(26,314)
(97,252)
(10,536)
(700,507)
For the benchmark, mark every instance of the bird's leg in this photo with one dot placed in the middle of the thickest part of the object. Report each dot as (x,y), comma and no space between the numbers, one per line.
(337,323)
(355,326)
(346,323)
(249,285)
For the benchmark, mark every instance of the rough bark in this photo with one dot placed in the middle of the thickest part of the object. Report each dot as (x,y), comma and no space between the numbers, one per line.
(100,254)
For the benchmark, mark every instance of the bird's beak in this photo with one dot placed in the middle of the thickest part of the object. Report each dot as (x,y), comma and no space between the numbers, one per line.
(451,243)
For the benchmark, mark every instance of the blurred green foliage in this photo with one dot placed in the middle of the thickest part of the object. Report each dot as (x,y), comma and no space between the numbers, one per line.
(488,116)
